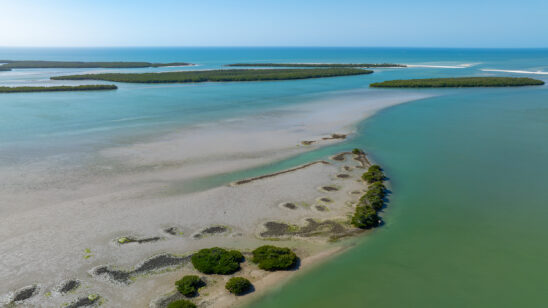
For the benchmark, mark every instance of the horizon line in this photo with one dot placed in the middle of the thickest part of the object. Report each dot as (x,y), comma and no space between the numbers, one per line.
(269,46)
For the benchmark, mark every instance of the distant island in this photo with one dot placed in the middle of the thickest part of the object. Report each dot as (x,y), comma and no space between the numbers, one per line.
(11,64)
(459,82)
(219,75)
(364,65)
(57,88)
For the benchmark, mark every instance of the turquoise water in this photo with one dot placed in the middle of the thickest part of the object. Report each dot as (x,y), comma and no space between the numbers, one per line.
(466,224)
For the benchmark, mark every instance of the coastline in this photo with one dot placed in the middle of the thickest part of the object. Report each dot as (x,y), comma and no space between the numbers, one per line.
(126,200)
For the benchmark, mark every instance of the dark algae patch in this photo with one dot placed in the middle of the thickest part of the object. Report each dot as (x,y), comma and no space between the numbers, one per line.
(88,301)
(126,240)
(312,228)
(25,293)
(460,82)
(219,75)
(68,286)
(155,263)
(57,88)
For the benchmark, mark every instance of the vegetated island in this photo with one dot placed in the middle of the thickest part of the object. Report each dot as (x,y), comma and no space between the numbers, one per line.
(58,88)
(219,75)
(11,64)
(459,82)
(363,65)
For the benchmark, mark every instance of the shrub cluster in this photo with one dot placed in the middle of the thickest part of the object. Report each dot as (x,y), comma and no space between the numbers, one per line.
(183,303)
(217,261)
(238,285)
(372,201)
(189,285)
(271,258)
(373,174)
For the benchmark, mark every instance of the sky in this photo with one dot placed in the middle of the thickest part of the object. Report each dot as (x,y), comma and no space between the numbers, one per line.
(382,23)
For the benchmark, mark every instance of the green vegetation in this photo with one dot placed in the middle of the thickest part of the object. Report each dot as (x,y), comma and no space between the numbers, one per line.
(189,285)
(183,303)
(217,261)
(366,214)
(271,258)
(220,75)
(58,88)
(357,151)
(365,217)
(10,64)
(238,285)
(460,82)
(365,65)
(373,174)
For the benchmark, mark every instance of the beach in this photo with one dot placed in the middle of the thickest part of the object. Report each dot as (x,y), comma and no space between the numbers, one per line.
(72,217)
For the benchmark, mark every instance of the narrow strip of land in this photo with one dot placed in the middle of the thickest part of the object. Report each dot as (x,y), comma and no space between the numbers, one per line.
(11,64)
(363,65)
(219,75)
(460,82)
(57,88)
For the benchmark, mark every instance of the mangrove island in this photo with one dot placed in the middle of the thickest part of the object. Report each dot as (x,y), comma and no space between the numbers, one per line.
(364,65)
(460,82)
(219,75)
(11,64)
(58,88)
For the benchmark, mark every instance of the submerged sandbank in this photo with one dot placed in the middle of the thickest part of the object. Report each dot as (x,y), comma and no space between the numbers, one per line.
(71,220)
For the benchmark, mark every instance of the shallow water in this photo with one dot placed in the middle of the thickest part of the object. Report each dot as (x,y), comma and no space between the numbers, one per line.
(466,221)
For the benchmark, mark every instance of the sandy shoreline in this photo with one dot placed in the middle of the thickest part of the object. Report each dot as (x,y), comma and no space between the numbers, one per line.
(70,219)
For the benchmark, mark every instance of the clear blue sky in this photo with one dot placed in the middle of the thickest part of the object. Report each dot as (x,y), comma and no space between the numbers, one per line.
(432,23)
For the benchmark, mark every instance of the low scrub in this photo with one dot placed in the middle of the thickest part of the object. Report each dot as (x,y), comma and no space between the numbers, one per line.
(217,261)
(365,217)
(238,285)
(189,285)
(272,258)
(183,303)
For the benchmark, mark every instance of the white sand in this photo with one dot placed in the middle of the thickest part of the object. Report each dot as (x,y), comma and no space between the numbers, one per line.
(52,212)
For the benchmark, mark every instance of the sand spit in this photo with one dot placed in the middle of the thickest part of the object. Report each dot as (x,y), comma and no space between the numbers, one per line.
(69,218)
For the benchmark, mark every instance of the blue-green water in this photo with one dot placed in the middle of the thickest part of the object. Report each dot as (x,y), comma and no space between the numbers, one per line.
(466,225)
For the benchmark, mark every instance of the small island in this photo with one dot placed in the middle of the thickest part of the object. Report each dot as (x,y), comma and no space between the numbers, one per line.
(363,65)
(11,64)
(58,88)
(219,75)
(460,82)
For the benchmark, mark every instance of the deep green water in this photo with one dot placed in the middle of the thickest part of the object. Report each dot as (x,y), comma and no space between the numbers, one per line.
(467,222)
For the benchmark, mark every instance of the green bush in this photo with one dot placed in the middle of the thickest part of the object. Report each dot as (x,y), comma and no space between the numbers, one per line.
(189,285)
(373,174)
(357,151)
(238,285)
(217,261)
(365,217)
(183,303)
(272,258)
